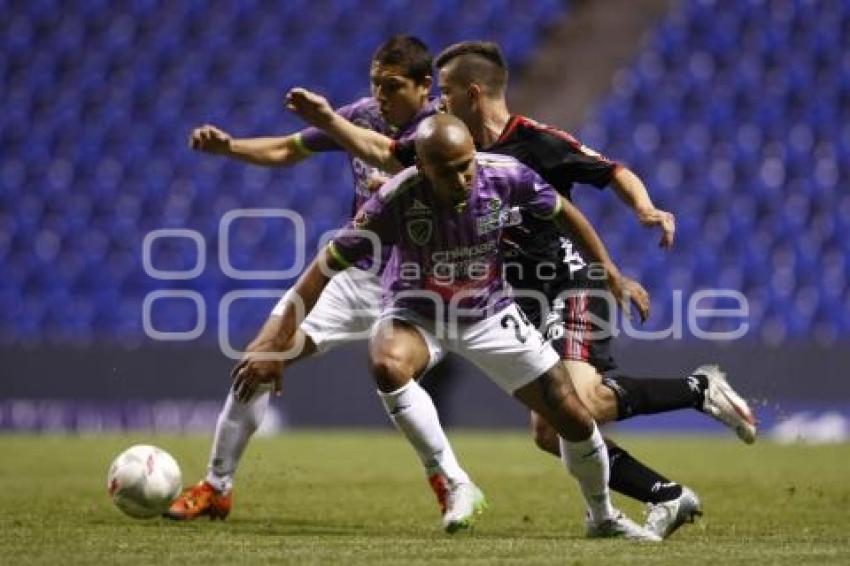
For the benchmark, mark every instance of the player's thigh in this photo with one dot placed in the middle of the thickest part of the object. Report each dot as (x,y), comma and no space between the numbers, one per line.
(398,352)
(509,349)
(582,329)
(345,311)
(545,436)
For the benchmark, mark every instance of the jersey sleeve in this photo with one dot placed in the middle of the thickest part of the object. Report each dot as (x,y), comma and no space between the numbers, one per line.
(535,195)
(314,140)
(567,161)
(375,225)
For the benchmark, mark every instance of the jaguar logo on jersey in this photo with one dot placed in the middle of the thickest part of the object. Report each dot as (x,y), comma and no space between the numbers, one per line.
(419,230)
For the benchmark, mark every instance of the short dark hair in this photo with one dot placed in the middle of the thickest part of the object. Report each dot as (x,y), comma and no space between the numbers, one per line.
(408,52)
(481,62)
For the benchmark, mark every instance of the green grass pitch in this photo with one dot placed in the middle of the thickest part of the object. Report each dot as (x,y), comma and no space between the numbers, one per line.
(361,498)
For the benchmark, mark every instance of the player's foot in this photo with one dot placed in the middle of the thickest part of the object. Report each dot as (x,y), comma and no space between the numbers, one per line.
(620,527)
(664,518)
(725,405)
(440,486)
(198,501)
(460,503)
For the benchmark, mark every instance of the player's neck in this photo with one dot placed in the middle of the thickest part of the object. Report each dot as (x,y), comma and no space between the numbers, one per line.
(494,117)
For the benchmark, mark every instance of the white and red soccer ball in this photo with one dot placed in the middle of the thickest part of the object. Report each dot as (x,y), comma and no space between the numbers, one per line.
(143,481)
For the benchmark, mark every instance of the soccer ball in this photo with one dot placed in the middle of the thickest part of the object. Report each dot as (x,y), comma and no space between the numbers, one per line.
(143,481)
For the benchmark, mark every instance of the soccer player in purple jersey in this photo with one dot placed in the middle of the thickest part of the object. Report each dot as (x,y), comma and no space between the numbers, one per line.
(473,78)
(444,289)
(401,80)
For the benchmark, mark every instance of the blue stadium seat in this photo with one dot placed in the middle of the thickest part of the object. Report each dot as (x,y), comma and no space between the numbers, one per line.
(766,83)
(735,115)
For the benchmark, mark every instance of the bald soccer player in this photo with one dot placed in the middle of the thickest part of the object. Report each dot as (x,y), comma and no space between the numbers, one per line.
(444,290)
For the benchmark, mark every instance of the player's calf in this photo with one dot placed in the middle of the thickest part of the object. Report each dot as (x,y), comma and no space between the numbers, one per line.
(544,435)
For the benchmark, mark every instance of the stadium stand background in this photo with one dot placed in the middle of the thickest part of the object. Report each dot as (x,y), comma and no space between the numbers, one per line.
(734,113)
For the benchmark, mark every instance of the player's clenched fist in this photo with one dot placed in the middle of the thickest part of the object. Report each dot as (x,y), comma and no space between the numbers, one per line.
(663,219)
(311,107)
(210,139)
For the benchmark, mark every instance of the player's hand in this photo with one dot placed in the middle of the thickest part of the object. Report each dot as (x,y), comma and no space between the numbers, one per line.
(629,292)
(311,107)
(210,139)
(253,372)
(664,219)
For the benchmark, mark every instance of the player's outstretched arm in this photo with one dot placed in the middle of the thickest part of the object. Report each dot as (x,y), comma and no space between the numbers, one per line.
(279,151)
(368,145)
(624,289)
(263,363)
(632,191)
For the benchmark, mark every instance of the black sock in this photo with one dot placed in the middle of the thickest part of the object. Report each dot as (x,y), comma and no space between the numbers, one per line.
(635,480)
(652,395)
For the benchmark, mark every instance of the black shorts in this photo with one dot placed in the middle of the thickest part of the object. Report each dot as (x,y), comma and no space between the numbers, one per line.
(579,327)
(576,317)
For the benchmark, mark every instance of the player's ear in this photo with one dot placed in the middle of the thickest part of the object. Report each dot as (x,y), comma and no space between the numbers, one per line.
(474,92)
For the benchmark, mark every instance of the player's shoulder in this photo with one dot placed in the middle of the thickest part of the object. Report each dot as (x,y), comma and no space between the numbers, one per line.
(496,160)
(499,166)
(400,184)
(550,138)
(363,104)
(544,132)
(365,112)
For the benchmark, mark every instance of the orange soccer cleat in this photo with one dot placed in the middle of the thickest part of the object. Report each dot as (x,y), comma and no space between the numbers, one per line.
(198,501)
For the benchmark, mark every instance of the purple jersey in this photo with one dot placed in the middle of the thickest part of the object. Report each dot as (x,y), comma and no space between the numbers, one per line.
(365,113)
(447,262)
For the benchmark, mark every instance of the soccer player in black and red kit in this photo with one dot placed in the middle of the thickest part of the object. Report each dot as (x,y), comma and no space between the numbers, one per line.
(473,79)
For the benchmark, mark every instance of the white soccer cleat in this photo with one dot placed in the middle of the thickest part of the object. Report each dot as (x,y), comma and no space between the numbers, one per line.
(722,403)
(463,503)
(620,527)
(664,518)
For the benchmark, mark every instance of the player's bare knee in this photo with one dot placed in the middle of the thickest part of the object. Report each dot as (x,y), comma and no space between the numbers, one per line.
(602,404)
(391,368)
(597,398)
(594,400)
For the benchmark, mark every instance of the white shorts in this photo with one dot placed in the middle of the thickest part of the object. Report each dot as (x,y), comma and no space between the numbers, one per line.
(346,310)
(505,346)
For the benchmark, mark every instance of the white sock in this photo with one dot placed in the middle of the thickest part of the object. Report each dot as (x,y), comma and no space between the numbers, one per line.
(587,461)
(414,414)
(236,423)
